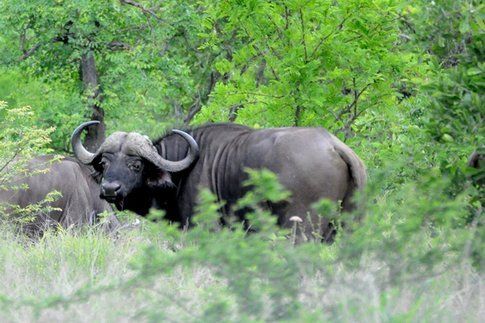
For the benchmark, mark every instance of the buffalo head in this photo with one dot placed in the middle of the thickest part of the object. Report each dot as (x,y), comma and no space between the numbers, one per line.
(129,164)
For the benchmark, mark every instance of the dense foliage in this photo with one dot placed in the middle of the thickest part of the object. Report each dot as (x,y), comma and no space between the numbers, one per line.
(400,81)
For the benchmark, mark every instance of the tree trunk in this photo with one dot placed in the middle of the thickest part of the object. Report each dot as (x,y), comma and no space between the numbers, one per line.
(92,90)
(297,119)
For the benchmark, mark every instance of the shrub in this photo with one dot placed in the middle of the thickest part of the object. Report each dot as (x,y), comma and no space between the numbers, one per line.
(20,141)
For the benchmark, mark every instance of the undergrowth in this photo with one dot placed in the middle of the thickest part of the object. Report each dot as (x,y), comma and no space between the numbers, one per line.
(412,257)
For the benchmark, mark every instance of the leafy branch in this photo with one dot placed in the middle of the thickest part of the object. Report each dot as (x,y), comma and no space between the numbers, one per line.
(142,8)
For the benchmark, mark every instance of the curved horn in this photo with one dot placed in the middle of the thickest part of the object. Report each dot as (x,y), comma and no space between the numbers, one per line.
(177,166)
(80,152)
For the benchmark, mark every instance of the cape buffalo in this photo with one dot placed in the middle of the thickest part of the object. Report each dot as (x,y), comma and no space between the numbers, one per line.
(79,204)
(167,173)
(477,160)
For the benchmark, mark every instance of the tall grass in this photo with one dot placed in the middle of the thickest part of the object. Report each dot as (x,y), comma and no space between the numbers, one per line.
(398,264)
(87,276)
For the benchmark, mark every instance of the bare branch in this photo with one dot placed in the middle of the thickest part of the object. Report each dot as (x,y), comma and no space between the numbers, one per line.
(260,79)
(404,20)
(10,160)
(142,8)
(233,111)
(302,21)
(202,98)
(29,52)
(248,93)
(22,40)
(298,111)
(324,38)
(287,15)
(116,45)
(193,110)
(349,107)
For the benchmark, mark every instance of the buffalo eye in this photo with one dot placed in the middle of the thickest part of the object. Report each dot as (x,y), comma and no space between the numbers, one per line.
(135,165)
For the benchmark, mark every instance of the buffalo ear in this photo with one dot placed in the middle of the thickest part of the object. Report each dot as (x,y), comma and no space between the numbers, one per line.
(159,179)
(96,164)
(96,170)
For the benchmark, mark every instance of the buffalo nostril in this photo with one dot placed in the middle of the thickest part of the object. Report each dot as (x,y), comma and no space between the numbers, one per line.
(111,189)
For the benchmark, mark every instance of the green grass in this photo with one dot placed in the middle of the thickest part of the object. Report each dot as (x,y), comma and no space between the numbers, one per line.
(87,276)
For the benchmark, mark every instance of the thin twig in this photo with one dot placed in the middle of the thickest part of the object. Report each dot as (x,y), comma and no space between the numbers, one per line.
(142,8)
(29,52)
(16,153)
(324,38)
(302,21)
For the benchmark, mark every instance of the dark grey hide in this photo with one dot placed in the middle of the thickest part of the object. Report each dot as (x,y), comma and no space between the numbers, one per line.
(80,203)
(477,160)
(310,162)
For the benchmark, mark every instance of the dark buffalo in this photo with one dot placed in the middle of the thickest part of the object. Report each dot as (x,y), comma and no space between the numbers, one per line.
(310,162)
(477,160)
(79,204)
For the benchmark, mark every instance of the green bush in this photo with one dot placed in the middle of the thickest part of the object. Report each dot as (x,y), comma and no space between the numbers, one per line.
(20,140)
(412,243)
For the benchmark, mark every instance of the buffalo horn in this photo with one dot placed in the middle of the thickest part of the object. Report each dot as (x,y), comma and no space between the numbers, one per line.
(177,166)
(80,152)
